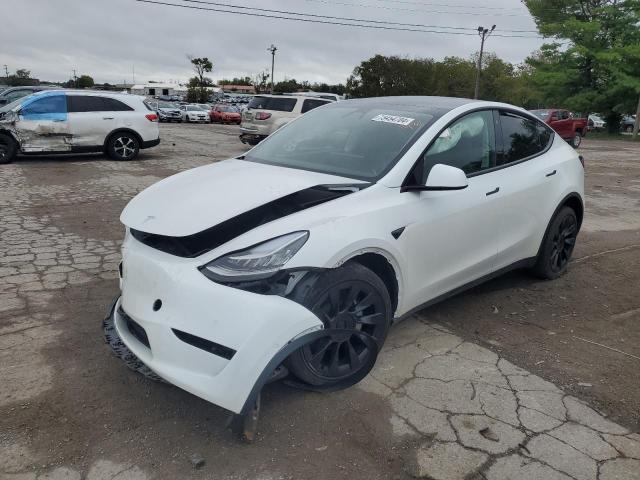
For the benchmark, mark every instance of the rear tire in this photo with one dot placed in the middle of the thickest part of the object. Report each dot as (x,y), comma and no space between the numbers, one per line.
(123,146)
(576,140)
(8,148)
(353,302)
(557,245)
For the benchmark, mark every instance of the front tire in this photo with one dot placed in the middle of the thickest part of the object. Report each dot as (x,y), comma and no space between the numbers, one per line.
(123,146)
(557,245)
(353,302)
(629,129)
(8,148)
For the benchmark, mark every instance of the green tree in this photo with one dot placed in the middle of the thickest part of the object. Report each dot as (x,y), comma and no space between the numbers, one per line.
(451,77)
(287,86)
(598,69)
(20,78)
(85,81)
(197,90)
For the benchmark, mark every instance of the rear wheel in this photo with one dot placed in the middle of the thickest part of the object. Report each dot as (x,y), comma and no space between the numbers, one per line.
(576,140)
(355,307)
(123,146)
(8,148)
(557,245)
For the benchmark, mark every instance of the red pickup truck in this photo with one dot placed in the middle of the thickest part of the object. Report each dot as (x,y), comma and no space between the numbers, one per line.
(562,121)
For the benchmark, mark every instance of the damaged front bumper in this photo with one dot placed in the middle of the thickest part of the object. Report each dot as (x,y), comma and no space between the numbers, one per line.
(217,342)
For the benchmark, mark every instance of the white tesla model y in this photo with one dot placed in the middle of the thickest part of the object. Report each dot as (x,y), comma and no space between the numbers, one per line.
(298,256)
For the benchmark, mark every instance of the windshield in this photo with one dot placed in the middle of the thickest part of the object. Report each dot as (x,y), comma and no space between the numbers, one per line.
(194,108)
(166,105)
(347,139)
(543,114)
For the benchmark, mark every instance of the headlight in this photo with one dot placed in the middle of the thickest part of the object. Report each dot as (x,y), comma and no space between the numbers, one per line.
(259,261)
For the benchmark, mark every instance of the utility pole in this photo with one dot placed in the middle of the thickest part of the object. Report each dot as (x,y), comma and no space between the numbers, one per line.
(273,50)
(636,126)
(484,33)
(6,72)
(75,79)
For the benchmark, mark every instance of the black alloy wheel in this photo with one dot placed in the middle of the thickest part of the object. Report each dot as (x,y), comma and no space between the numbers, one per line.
(564,240)
(557,245)
(354,305)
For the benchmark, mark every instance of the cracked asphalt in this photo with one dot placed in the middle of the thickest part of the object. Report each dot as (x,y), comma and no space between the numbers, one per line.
(515,379)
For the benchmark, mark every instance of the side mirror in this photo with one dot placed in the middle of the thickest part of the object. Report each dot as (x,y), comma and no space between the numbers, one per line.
(441,178)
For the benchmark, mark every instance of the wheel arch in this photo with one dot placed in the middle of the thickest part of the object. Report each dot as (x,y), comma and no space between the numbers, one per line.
(9,132)
(120,130)
(384,266)
(573,201)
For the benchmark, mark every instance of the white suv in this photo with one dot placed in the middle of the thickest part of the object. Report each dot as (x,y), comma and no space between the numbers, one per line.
(267,113)
(74,121)
(301,253)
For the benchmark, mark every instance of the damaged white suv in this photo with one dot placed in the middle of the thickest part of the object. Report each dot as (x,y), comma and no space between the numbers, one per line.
(298,256)
(77,121)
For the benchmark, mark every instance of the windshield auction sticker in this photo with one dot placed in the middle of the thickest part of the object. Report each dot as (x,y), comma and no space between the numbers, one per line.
(404,121)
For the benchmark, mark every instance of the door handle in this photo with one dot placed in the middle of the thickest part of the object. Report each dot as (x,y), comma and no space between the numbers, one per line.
(550,174)
(107,118)
(497,189)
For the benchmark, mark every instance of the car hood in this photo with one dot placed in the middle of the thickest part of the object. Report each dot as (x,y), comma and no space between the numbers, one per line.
(197,199)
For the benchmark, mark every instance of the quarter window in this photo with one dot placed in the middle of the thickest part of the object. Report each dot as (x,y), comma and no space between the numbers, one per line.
(468,144)
(521,138)
(113,105)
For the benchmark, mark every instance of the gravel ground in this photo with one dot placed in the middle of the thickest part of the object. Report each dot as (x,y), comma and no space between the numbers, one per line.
(517,378)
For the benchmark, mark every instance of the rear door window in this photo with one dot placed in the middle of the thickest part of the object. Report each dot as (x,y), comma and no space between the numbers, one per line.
(85,103)
(273,103)
(311,104)
(521,138)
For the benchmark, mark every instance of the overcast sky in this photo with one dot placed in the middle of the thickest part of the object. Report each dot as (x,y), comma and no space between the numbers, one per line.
(108,38)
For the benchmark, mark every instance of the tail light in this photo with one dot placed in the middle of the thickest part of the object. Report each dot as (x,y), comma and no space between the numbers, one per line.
(152,117)
(262,116)
(581,158)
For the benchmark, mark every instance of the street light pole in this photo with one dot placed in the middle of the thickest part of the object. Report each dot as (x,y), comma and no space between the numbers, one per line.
(484,33)
(273,50)
(6,72)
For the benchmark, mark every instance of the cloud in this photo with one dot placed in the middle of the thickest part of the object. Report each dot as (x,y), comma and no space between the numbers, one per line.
(109,39)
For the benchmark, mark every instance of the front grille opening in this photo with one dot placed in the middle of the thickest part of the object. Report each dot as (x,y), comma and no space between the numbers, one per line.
(204,344)
(135,329)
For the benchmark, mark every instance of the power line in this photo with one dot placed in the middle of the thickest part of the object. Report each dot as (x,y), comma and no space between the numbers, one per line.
(313,15)
(418,10)
(431,4)
(326,22)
